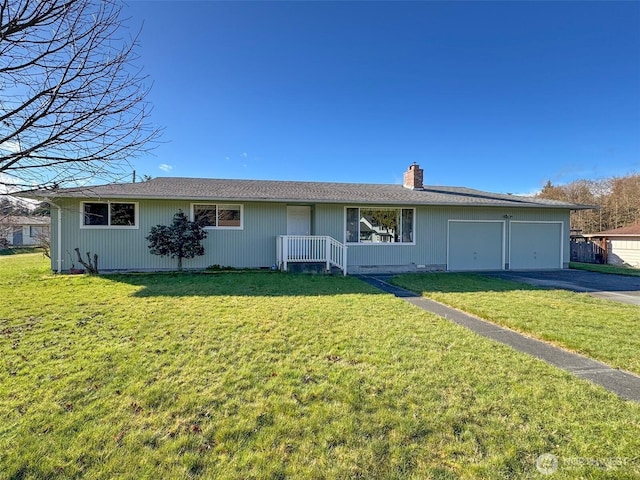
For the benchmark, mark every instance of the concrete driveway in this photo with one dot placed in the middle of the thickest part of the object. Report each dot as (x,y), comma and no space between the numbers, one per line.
(618,288)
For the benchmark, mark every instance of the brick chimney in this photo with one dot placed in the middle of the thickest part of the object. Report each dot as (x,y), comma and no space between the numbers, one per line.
(413,177)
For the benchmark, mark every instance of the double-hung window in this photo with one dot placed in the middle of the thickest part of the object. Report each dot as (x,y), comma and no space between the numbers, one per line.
(379,225)
(110,214)
(35,231)
(217,215)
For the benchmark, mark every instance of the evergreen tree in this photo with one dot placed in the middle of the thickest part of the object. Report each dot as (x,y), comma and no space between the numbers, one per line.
(179,240)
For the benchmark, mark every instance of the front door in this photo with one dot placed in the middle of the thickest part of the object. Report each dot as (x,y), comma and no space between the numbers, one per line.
(298,220)
(298,223)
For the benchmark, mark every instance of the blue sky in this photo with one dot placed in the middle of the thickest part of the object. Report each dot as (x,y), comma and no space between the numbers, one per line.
(490,95)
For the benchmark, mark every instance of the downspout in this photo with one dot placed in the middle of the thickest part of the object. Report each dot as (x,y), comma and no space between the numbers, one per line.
(58,234)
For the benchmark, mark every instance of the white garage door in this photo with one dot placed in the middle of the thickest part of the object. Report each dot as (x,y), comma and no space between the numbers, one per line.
(535,245)
(475,245)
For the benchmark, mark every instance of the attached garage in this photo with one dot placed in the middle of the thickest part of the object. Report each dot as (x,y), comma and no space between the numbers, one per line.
(475,245)
(535,245)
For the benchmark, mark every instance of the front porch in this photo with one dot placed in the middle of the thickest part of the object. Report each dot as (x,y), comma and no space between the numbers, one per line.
(321,249)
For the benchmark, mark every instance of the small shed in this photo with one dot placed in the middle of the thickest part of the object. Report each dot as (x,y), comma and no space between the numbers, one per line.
(621,245)
(22,230)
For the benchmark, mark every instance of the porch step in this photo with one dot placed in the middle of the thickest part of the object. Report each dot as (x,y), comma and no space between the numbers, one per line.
(313,268)
(311,253)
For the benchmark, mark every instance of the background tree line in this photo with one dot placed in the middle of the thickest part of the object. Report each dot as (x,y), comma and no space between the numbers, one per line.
(618,199)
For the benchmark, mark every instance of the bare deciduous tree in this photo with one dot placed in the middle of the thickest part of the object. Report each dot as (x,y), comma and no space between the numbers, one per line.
(43,240)
(73,103)
(617,199)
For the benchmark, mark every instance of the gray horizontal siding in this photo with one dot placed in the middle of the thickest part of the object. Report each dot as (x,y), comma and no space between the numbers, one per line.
(255,245)
(329,220)
(127,249)
(430,247)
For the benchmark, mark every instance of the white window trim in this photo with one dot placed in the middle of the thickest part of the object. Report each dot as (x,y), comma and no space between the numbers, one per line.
(136,213)
(218,204)
(378,244)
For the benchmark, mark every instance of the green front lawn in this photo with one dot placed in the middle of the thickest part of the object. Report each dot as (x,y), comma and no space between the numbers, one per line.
(269,375)
(601,329)
(612,269)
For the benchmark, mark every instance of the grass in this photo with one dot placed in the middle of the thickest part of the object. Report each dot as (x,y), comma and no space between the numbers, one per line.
(601,329)
(612,269)
(268,375)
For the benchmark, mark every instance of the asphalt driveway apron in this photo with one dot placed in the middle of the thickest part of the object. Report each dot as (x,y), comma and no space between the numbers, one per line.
(624,384)
(619,288)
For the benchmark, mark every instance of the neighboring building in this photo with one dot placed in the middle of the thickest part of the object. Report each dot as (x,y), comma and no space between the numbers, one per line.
(266,224)
(24,230)
(621,246)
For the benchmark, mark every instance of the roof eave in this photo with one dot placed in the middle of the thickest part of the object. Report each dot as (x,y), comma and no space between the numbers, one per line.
(354,201)
(586,207)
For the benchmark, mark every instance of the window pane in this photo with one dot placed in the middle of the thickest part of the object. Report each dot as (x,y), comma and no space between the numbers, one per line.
(96,214)
(123,214)
(228,215)
(352,224)
(205,215)
(379,225)
(407,225)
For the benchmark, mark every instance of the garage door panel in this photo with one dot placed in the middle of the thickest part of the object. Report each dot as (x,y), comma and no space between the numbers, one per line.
(535,246)
(475,246)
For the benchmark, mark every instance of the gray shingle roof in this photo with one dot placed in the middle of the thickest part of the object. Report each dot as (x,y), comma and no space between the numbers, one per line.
(301,192)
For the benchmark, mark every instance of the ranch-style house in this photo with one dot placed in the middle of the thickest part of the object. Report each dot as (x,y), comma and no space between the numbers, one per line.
(353,227)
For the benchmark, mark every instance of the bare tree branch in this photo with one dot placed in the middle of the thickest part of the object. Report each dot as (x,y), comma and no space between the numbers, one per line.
(618,199)
(73,104)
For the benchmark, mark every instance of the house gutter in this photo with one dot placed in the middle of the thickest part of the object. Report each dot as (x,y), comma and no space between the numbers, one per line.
(58,234)
(500,203)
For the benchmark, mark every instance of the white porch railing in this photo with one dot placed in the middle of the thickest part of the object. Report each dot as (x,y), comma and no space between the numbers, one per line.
(311,248)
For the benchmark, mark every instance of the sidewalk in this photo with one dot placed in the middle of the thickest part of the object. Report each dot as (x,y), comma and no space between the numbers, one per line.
(624,384)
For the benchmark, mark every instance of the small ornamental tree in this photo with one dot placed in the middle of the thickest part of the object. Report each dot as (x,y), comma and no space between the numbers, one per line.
(179,240)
